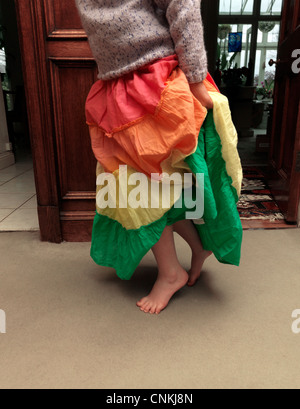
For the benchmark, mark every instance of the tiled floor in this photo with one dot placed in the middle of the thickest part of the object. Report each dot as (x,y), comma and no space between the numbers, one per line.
(18,205)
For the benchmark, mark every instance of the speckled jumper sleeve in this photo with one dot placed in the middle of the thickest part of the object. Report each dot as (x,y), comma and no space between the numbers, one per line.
(186,28)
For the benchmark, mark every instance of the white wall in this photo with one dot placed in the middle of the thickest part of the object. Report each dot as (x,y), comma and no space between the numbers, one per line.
(6,156)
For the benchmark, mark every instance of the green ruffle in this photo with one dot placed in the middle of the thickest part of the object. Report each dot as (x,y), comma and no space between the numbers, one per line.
(222,232)
(114,246)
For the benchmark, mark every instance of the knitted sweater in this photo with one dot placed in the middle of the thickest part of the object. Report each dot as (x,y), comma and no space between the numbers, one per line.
(125,35)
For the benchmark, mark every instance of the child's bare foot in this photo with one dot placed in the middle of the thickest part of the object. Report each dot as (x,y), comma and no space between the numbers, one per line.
(198,261)
(164,289)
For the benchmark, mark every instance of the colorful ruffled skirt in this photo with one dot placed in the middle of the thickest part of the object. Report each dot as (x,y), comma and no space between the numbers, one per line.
(147,125)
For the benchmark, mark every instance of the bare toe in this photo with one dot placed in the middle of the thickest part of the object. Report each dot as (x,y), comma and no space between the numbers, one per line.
(142,302)
(163,291)
(192,283)
(159,309)
(147,307)
(153,309)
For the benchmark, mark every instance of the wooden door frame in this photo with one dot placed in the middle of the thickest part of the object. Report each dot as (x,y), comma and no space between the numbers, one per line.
(296,164)
(40,115)
(280,182)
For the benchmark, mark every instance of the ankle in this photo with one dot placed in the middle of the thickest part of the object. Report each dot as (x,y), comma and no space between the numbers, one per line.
(170,274)
(200,252)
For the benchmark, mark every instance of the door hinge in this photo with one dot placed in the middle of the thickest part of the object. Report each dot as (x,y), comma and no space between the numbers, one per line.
(298,163)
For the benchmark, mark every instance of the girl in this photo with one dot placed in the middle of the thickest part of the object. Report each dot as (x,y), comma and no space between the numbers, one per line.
(155,112)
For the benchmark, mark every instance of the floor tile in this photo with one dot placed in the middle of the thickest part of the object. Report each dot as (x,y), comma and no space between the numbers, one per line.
(31,204)
(21,184)
(13,200)
(4,213)
(18,204)
(21,220)
(14,171)
(5,178)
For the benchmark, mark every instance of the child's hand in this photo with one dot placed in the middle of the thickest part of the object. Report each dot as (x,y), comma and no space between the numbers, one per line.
(200,92)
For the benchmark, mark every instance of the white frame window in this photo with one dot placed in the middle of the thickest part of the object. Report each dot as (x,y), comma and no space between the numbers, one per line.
(259,44)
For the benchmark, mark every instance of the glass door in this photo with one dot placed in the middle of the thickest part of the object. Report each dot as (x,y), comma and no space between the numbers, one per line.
(248,37)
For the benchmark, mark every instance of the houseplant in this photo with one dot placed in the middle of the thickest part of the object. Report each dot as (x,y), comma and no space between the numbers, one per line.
(265,90)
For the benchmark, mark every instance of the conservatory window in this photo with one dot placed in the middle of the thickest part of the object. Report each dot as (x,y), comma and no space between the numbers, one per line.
(231,59)
(236,7)
(2,62)
(271,7)
(259,23)
(2,52)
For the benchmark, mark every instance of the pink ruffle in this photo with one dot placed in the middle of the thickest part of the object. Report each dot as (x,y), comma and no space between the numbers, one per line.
(112,104)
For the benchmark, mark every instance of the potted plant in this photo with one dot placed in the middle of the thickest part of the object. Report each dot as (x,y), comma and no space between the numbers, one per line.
(265,90)
(224,30)
(266,26)
(260,92)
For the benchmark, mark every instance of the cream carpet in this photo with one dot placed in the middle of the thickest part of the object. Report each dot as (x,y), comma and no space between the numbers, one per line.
(72,324)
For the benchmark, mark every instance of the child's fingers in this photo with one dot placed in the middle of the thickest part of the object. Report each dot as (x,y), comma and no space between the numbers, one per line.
(207,102)
(200,92)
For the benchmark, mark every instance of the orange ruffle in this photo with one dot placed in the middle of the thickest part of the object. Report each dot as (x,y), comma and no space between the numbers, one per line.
(151,139)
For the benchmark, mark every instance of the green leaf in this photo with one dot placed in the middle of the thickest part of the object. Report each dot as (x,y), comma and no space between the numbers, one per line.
(232,59)
(224,62)
(218,52)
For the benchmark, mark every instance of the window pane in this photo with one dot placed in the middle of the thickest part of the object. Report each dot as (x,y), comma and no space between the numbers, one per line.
(236,7)
(271,55)
(2,62)
(273,35)
(233,59)
(258,65)
(267,46)
(271,7)
(268,31)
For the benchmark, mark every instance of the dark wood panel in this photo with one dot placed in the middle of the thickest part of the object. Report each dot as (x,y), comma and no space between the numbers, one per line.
(281,99)
(35,72)
(71,82)
(72,72)
(69,50)
(65,14)
(295,180)
(50,226)
(77,230)
(291,19)
(59,71)
(288,150)
(84,202)
(62,20)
